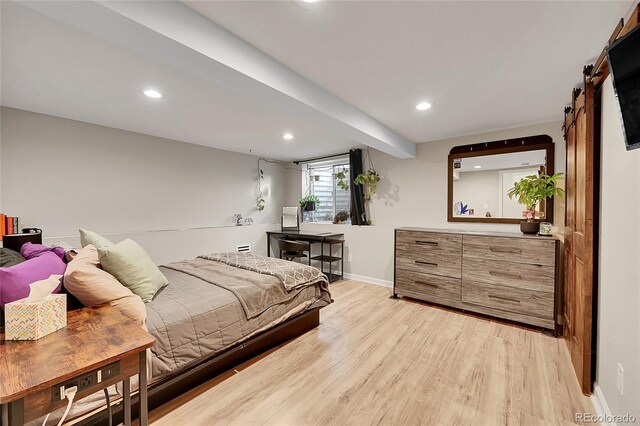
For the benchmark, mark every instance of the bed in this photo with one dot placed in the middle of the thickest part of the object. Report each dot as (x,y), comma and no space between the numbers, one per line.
(216,312)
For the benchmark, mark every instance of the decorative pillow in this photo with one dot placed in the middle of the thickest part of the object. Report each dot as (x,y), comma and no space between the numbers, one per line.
(15,280)
(133,267)
(93,286)
(9,257)
(93,238)
(30,250)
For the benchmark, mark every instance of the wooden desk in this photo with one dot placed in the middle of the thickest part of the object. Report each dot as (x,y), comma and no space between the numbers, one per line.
(322,238)
(95,340)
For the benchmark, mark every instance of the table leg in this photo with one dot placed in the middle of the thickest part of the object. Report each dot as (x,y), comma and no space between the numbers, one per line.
(322,257)
(126,397)
(144,405)
(268,245)
(342,260)
(309,253)
(330,262)
(13,413)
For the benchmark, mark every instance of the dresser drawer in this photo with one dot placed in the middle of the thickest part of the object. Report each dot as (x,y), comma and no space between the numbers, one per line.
(518,250)
(526,302)
(519,275)
(429,242)
(445,265)
(429,285)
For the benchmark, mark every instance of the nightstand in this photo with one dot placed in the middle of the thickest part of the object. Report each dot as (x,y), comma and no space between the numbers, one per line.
(98,348)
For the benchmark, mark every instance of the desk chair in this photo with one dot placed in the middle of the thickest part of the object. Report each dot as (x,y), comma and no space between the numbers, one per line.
(291,250)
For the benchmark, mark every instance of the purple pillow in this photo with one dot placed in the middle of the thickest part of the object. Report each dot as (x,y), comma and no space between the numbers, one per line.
(30,250)
(15,280)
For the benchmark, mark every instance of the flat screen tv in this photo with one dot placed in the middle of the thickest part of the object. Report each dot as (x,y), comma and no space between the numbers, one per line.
(624,63)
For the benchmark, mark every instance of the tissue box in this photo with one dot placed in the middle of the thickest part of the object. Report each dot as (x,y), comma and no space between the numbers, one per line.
(33,320)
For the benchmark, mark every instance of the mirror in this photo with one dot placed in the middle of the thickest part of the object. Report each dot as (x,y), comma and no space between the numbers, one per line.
(481,175)
(290,219)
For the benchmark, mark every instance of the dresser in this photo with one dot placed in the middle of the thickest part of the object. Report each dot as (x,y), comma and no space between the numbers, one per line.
(505,275)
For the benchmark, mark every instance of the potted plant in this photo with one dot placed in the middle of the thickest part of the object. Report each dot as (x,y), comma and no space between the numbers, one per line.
(369,180)
(530,191)
(341,217)
(309,203)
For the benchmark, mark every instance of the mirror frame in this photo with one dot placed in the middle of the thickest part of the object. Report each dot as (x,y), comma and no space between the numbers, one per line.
(530,143)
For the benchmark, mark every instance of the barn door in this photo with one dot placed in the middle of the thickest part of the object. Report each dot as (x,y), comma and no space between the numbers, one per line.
(578,233)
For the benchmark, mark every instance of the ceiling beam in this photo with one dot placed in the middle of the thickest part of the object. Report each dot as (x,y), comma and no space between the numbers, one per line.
(172,32)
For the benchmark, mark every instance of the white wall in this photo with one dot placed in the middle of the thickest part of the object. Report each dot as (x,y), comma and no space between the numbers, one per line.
(414,193)
(59,174)
(619,264)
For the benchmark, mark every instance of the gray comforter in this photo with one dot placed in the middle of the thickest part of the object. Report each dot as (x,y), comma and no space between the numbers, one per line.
(209,306)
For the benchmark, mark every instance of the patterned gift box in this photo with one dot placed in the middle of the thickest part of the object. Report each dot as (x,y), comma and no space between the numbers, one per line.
(33,320)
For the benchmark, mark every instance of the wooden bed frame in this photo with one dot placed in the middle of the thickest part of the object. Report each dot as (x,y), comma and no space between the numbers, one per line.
(211,366)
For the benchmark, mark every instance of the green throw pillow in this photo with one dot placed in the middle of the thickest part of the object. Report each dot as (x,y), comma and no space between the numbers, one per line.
(95,239)
(133,267)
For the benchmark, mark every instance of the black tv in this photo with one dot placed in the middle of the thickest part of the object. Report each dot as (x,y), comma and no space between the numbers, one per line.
(624,63)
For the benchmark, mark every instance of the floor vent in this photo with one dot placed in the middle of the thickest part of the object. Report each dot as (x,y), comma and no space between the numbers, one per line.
(243,248)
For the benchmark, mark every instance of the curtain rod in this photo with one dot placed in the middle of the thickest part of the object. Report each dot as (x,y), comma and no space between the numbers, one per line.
(320,158)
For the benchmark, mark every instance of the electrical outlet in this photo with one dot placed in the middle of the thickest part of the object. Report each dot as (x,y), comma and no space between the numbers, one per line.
(620,379)
(86,381)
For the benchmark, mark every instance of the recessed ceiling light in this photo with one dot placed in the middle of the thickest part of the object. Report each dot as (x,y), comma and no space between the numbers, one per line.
(287,136)
(309,1)
(477,167)
(423,106)
(153,93)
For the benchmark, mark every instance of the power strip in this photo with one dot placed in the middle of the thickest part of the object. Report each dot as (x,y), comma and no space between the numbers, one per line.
(85,381)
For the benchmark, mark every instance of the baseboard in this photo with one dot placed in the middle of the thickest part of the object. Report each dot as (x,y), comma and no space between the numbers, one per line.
(369,280)
(600,405)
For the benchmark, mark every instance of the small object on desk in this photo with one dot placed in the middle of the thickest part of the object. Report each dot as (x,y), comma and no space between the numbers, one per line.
(545,229)
(38,315)
(290,219)
(29,379)
(237,219)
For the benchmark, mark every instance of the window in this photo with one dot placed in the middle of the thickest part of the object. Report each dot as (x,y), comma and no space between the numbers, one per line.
(327,180)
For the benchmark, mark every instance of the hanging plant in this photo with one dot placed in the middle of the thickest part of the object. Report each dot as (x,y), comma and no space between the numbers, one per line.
(341,176)
(369,180)
(260,202)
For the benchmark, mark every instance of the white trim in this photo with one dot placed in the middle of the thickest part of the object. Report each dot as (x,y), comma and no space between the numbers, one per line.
(370,280)
(600,404)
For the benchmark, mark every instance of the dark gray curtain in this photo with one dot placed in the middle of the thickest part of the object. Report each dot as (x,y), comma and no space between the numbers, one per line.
(358,214)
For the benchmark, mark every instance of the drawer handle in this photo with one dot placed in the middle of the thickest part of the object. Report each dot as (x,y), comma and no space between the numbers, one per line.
(426,243)
(505,250)
(508,299)
(427,284)
(422,262)
(505,274)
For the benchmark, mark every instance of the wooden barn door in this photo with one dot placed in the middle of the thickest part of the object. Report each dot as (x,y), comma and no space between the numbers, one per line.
(578,233)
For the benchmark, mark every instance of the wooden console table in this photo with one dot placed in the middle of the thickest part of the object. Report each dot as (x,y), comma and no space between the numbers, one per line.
(98,348)
(330,238)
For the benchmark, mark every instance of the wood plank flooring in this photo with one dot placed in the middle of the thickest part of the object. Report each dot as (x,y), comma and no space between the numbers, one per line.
(375,360)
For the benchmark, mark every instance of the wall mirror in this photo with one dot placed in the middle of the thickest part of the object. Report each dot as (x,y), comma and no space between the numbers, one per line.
(481,174)
(290,219)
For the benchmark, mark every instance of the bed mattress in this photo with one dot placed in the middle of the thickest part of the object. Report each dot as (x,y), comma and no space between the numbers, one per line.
(194,317)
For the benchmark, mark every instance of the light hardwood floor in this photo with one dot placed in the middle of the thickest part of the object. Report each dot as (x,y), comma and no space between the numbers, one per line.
(375,360)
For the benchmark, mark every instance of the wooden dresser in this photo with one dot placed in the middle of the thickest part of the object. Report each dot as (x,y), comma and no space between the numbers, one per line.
(505,275)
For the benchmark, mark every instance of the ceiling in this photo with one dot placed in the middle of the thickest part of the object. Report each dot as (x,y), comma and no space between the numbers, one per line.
(360,68)
(53,68)
(484,65)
